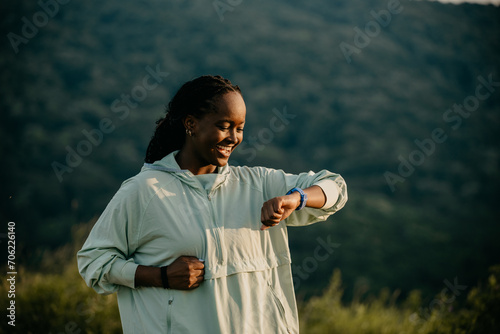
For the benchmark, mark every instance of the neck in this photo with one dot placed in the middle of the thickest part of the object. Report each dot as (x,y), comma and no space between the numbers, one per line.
(187,161)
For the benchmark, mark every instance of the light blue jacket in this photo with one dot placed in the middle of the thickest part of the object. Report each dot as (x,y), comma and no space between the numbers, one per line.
(164,212)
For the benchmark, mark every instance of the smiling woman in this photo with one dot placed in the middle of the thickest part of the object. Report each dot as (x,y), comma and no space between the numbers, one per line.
(194,100)
(193,245)
(211,139)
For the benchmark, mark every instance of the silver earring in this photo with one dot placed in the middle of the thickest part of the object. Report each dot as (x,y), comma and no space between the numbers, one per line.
(188,132)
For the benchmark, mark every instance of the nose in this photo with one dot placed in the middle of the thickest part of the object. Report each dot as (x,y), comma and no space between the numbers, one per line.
(233,136)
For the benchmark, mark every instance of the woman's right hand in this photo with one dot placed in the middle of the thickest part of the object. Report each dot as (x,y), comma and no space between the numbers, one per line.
(185,273)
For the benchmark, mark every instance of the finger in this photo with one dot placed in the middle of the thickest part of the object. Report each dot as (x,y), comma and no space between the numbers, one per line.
(197,283)
(274,207)
(196,263)
(270,223)
(273,219)
(275,215)
(265,212)
(272,216)
(270,210)
(278,207)
(194,259)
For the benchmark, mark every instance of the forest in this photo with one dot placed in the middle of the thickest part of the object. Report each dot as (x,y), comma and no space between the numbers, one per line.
(402,98)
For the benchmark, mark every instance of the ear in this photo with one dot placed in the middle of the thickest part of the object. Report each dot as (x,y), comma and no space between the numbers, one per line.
(190,123)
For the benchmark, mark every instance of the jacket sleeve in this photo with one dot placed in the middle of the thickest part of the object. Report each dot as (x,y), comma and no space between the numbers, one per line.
(278,183)
(104,261)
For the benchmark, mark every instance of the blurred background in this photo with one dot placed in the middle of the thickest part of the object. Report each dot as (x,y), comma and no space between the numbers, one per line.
(402,98)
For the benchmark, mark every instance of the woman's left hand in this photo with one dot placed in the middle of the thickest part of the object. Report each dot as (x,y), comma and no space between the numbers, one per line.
(277,209)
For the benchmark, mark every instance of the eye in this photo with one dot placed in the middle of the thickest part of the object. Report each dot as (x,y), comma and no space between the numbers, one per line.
(223,128)
(240,130)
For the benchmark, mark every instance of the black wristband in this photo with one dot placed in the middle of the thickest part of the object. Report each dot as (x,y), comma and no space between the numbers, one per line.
(164,277)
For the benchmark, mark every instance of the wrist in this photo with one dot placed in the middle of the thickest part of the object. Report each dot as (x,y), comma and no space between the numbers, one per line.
(164,277)
(146,276)
(301,195)
(295,198)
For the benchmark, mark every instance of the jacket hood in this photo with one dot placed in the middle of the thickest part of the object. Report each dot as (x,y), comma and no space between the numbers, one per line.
(168,164)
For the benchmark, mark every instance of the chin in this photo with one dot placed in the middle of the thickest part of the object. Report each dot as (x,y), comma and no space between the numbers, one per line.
(219,160)
(222,163)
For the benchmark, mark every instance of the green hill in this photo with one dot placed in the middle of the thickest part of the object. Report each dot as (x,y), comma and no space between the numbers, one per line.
(65,90)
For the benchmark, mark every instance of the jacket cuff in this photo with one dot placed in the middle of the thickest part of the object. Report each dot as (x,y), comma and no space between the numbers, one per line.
(331,191)
(123,273)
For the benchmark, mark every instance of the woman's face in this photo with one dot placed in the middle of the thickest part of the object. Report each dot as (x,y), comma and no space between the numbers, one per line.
(216,135)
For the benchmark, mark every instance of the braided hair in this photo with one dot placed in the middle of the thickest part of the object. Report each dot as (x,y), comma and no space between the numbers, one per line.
(197,98)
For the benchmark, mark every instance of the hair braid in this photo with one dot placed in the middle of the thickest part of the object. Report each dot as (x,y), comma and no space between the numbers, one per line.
(196,98)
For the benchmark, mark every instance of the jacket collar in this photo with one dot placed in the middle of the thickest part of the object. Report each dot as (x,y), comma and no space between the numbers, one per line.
(169,165)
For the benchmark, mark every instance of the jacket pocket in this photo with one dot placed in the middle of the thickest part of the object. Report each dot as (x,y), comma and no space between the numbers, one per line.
(281,307)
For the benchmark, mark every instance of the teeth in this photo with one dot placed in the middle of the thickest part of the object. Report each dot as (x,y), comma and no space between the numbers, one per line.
(225,148)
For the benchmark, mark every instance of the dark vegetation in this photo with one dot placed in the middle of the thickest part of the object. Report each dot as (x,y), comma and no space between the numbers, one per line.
(357,119)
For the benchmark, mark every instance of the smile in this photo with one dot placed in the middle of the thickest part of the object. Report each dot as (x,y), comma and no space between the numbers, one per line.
(224,150)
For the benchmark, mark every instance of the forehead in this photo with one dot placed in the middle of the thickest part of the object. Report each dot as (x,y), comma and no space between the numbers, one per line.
(229,107)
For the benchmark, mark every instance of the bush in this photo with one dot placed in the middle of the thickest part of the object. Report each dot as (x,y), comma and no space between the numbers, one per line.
(478,314)
(57,300)
(47,303)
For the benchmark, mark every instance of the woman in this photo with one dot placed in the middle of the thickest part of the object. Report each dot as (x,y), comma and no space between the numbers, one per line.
(193,245)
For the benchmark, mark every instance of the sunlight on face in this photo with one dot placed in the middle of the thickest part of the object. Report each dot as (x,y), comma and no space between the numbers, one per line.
(220,132)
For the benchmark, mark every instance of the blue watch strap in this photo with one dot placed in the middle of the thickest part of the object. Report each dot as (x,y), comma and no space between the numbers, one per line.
(303,197)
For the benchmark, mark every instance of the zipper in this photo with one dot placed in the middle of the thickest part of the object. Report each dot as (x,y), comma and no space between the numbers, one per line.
(280,306)
(169,314)
(217,233)
(219,240)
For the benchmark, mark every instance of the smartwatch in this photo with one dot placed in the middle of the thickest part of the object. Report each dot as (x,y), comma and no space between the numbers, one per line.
(303,197)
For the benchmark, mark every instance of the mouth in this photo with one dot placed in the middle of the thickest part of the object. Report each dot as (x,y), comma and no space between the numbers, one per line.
(224,150)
